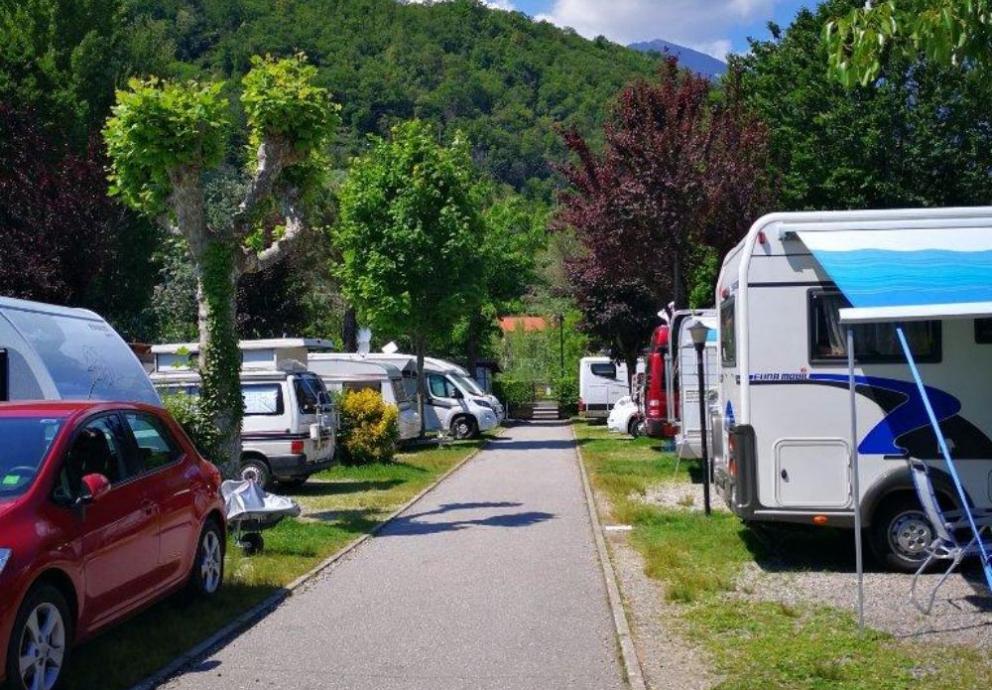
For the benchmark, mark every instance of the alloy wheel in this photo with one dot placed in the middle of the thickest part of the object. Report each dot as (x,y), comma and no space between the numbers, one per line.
(210,561)
(42,649)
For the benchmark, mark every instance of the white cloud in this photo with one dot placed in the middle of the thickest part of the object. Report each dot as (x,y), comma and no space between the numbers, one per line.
(700,24)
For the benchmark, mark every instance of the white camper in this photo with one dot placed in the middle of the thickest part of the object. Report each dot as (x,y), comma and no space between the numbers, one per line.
(289,425)
(683,377)
(341,372)
(602,383)
(784,418)
(469,386)
(57,353)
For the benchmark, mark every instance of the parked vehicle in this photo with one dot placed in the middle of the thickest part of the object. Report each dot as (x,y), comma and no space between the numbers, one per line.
(56,353)
(782,427)
(452,406)
(682,373)
(657,415)
(602,382)
(469,386)
(625,417)
(347,372)
(288,431)
(105,507)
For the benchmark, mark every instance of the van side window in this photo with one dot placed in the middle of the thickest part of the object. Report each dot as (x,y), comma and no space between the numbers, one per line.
(306,395)
(156,448)
(607,370)
(873,343)
(983,331)
(728,336)
(440,386)
(263,399)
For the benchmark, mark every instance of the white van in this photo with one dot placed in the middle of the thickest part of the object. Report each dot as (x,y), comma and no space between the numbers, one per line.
(351,372)
(289,428)
(783,423)
(602,382)
(433,365)
(683,375)
(57,353)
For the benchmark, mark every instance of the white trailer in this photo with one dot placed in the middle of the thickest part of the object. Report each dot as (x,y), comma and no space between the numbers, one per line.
(682,372)
(781,432)
(57,353)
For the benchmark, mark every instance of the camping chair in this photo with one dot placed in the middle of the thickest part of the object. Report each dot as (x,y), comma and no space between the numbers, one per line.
(945,546)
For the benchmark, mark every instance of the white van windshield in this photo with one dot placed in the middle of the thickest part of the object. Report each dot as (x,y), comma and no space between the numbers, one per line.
(468,384)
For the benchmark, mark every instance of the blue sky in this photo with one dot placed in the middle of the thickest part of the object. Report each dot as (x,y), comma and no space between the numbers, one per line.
(713,26)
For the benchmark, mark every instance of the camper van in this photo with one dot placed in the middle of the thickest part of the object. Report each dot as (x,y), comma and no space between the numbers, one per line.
(347,372)
(682,371)
(469,386)
(657,414)
(602,382)
(58,353)
(782,424)
(289,425)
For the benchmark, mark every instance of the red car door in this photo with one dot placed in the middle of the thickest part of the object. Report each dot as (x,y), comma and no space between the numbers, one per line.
(118,533)
(171,481)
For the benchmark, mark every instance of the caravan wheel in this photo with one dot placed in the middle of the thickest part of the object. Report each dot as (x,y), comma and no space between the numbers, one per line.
(901,534)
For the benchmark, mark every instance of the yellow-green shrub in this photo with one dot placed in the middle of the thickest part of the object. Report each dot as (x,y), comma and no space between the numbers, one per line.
(369,430)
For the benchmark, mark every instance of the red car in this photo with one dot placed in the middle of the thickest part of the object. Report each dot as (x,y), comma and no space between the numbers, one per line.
(656,423)
(104,508)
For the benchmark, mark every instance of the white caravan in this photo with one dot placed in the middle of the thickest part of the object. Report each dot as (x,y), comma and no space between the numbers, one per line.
(347,372)
(469,386)
(682,376)
(57,353)
(602,382)
(783,422)
(289,425)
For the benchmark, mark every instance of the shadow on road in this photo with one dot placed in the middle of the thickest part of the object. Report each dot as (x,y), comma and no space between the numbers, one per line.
(411,525)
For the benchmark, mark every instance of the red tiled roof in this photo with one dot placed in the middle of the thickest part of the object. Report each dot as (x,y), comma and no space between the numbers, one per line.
(529,324)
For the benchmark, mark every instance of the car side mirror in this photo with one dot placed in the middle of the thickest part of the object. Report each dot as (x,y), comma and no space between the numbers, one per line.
(95,487)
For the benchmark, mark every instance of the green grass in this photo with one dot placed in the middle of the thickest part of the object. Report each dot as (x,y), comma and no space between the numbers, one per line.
(340,505)
(758,645)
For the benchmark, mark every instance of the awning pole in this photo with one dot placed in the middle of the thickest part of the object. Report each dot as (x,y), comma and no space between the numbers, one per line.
(855,479)
(945,451)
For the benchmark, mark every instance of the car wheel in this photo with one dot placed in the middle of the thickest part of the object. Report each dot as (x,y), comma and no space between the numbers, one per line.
(901,535)
(40,641)
(464,428)
(253,469)
(634,427)
(207,575)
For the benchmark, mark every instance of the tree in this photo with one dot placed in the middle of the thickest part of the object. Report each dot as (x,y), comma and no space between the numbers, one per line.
(946,32)
(63,239)
(918,137)
(679,170)
(165,138)
(410,235)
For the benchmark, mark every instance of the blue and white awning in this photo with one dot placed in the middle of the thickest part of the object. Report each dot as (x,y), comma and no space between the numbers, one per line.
(908,274)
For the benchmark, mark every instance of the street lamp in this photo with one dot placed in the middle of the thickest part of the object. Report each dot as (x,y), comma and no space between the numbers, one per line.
(698,331)
(560,318)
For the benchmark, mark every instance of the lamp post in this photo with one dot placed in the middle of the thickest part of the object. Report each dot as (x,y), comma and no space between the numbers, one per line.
(560,318)
(698,331)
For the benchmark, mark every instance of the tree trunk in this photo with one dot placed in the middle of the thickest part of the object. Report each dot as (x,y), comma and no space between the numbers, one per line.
(678,284)
(220,356)
(472,344)
(349,330)
(420,346)
(630,359)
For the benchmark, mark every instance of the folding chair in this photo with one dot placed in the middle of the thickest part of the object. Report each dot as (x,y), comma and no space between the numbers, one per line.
(945,546)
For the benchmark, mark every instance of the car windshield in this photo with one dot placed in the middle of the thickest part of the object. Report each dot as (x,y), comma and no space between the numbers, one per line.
(26,441)
(469,384)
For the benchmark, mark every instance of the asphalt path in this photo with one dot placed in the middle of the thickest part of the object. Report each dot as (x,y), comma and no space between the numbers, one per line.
(490,581)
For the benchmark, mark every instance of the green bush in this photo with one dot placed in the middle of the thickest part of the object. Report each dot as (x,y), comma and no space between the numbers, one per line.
(369,430)
(187,410)
(566,391)
(513,392)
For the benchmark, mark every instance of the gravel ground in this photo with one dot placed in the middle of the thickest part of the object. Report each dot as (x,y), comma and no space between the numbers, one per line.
(682,496)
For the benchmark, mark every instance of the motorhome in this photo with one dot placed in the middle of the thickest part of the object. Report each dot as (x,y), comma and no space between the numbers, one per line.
(681,371)
(289,426)
(657,422)
(783,420)
(346,372)
(602,382)
(469,386)
(57,353)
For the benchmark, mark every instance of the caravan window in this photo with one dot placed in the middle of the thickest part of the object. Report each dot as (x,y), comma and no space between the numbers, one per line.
(872,342)
(264,399)
(606,370)
(728,336)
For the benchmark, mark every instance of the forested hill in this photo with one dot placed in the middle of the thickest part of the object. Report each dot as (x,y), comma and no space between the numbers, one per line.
(501,78)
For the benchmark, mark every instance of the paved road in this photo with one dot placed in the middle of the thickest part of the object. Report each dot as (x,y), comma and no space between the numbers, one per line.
(491,581)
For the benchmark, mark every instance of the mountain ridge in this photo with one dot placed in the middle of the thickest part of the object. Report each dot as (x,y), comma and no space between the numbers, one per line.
(694,60)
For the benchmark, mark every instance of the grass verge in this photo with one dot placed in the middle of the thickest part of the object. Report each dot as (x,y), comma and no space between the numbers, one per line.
(340,505)
(755,645)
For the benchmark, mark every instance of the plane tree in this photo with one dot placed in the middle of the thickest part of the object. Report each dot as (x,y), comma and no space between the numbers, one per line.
(166,138)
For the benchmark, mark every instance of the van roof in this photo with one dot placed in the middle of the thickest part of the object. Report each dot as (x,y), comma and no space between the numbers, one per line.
(41,308)
(372,366)
(264,344)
